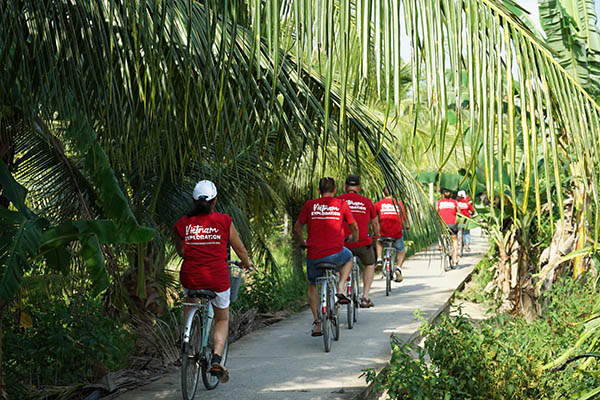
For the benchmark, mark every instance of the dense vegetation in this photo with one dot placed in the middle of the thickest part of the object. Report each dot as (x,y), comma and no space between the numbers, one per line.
(503,357)
(111,110)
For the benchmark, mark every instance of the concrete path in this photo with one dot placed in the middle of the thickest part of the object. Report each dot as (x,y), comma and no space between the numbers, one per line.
(283,361)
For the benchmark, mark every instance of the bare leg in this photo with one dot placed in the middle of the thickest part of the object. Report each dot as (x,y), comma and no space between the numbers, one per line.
(221,328)
(379,249)
(313,300)
(400,257)
(368,279)
(344,272)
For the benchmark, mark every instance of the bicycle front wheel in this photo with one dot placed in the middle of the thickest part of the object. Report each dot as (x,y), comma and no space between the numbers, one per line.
(210,381)
(191,360)
(335,322)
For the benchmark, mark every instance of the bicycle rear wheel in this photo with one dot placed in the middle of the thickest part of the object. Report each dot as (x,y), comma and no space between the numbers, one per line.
(355,296)
(350,314)
(388,277)
(350,305)
(191,359)
(325,321)
(210,381)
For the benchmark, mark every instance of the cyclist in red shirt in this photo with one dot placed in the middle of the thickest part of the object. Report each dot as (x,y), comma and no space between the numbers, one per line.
(465,206)
(392,219)
(201,239)
(448,208)
(365,215)
(325,217)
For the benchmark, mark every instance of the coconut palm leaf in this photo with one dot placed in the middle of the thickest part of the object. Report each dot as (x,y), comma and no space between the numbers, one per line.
(571,32)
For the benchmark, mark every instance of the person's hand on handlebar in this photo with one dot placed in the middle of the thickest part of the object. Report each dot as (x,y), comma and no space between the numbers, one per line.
(248,265)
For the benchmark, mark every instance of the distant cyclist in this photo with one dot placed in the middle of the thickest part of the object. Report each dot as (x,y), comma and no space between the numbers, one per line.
(325,217)
(392,220)
(365,215)
(201,239)
(465,206)
(448,208)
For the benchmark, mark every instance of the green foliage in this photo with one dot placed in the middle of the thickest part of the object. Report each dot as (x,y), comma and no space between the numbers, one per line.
(268,292)
(500,358)
(481,276)
(66,344)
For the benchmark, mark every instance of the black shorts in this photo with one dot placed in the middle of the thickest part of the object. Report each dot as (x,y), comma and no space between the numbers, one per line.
(453,229)
(365,254)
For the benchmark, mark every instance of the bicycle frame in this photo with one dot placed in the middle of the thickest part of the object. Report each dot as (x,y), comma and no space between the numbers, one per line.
(204,307)
(390,257)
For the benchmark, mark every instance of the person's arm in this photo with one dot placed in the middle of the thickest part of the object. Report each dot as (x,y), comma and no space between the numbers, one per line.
(354,230)
(179,246)
(238,246)
(298,234)
(375,228)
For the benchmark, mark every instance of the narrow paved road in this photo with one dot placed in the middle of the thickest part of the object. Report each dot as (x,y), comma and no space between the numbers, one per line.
(283,361)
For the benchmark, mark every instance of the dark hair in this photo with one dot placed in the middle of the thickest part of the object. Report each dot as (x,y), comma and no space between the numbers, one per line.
(327,185)
(446,192)
(386,191)
(201,206)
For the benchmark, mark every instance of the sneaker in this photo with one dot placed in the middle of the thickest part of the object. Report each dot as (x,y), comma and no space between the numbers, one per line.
(219,371)
(467,249)
(398,275)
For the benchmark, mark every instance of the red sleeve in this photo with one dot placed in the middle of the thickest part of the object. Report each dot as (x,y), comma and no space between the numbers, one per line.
(471,208)
(347,213)
(303,216)
(377,207)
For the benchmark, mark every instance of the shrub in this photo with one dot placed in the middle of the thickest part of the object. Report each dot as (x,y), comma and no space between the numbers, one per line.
(500,358)
(66,344)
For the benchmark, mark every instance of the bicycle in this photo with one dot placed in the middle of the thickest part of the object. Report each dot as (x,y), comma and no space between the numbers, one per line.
(461,244)
(389,260)
(329,307)
(446,252)
(197,343)
(353,293)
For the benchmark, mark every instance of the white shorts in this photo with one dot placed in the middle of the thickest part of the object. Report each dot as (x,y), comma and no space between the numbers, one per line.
(221,301)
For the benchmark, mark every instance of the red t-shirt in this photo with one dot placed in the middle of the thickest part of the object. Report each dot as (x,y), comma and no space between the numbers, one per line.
(325,217)
(466,208)
(205,240)
(448,209)
(363,211)
(391,217)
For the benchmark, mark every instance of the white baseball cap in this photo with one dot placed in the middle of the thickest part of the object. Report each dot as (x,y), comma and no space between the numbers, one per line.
(462,193)
(205,190)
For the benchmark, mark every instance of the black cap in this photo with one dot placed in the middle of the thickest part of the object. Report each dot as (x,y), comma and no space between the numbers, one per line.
(353,180)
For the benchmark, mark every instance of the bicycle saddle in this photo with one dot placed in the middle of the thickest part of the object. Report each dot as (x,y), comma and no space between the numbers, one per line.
(325,265)
(209,294)
(387,239)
